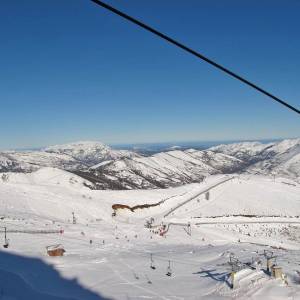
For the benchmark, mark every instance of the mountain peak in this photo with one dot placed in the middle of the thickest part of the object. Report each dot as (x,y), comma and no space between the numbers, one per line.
(80,145)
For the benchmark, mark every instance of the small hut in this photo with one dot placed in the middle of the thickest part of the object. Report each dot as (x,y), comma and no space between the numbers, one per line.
(55,250)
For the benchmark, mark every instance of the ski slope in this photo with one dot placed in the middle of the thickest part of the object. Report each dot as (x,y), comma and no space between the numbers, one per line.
(109,257)
(197,194)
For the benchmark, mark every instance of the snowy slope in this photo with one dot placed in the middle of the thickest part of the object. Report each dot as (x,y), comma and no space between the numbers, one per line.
(247,196)
(242,195)
(110,256)
(48,176)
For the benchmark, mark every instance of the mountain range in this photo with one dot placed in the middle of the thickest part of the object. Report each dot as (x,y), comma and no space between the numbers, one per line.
(108,168)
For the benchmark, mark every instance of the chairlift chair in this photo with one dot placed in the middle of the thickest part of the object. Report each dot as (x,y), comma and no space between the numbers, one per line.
(6,244)
(148,280)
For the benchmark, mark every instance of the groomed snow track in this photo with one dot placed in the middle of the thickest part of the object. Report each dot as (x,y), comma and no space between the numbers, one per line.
(198,194)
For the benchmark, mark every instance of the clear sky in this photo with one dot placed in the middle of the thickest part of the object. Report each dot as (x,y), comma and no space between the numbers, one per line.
(69,70)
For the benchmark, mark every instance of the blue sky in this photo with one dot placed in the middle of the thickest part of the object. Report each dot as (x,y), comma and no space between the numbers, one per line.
(73,71)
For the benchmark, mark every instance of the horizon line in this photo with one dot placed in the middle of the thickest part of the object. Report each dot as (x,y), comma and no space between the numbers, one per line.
(118,144)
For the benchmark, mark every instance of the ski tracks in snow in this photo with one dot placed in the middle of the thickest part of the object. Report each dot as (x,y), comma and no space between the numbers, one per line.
(135,285)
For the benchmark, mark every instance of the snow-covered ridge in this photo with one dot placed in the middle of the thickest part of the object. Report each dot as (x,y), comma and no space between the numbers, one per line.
(108,168)
(73,156)
(90,152)
(281,158)
(242,150)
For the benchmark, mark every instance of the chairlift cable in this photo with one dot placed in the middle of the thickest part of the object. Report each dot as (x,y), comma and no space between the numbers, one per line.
(195,53)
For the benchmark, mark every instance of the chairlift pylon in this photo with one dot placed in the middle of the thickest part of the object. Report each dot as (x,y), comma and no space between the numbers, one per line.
(152,266)
(169,271)
(6,240)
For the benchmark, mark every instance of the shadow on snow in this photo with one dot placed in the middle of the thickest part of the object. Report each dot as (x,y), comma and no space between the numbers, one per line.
(31,278)
(221,277)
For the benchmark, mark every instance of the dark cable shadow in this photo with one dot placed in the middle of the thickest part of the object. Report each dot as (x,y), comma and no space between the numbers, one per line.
(25,278)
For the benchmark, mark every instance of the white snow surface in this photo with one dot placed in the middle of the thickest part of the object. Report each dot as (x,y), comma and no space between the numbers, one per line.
(49,176)
(244,215)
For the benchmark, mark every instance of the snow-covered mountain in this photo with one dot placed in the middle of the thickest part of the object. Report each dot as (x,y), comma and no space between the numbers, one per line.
(90,153)
(74,156)
(173,168)
(29,161)
(247,151)
(164,169)
(108,168)
(281,158)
